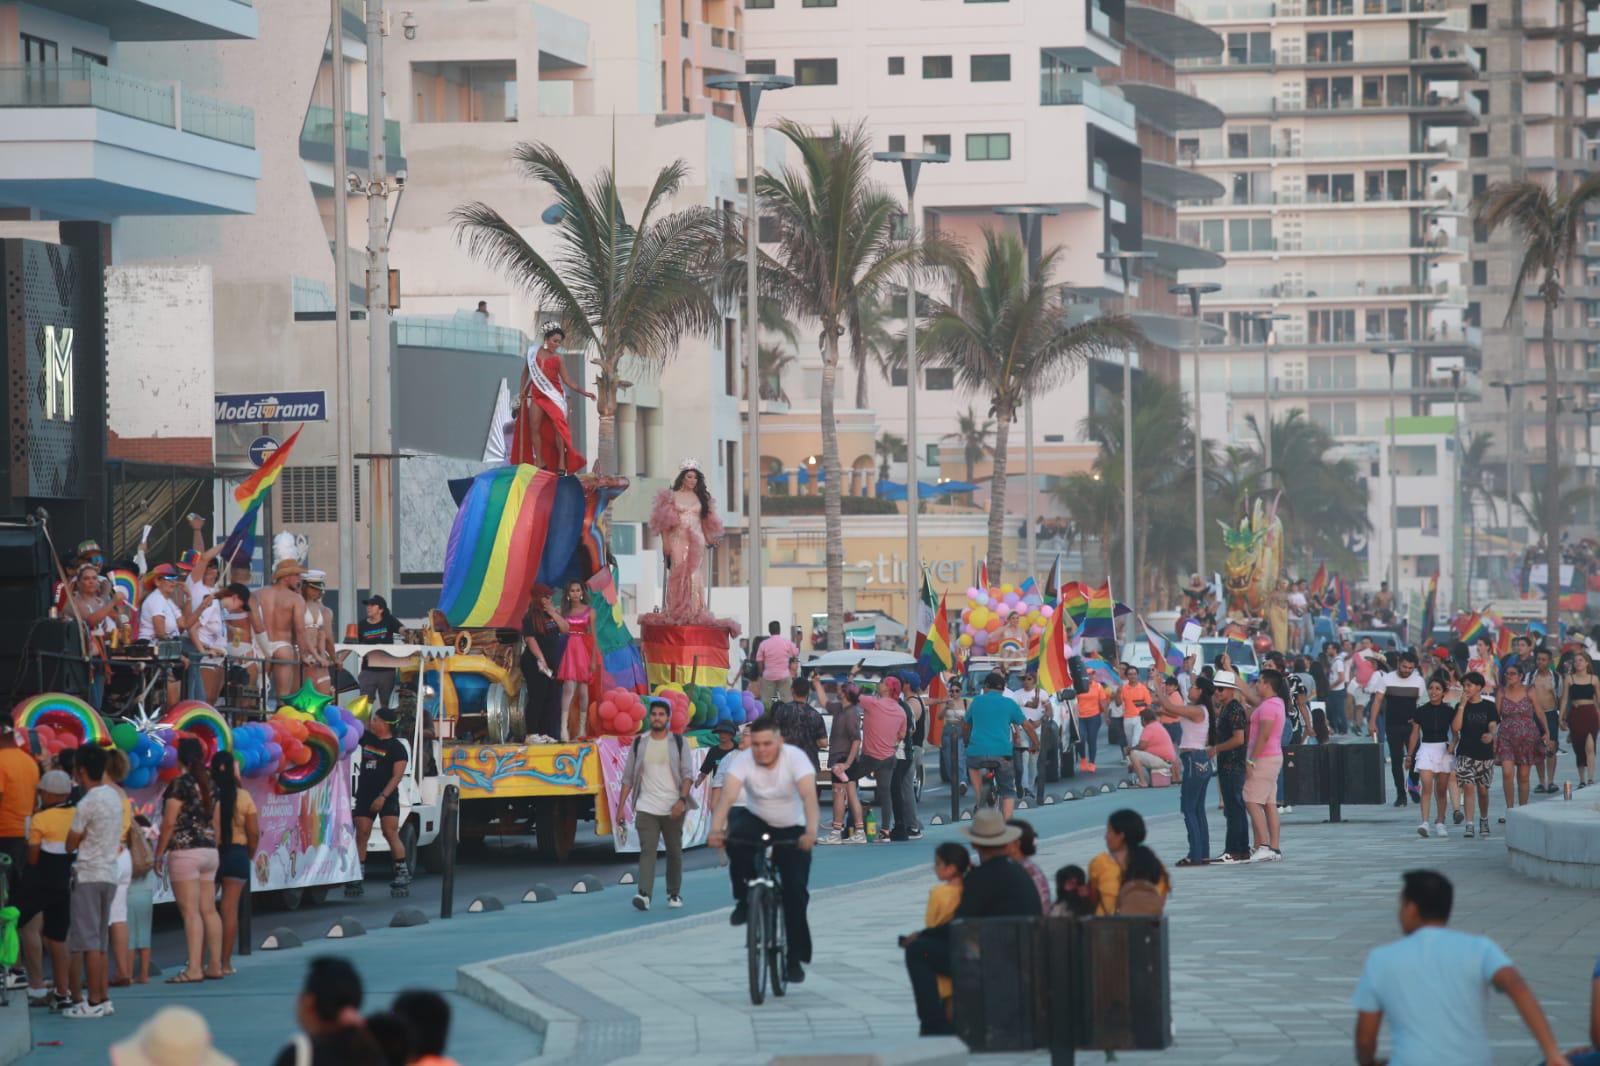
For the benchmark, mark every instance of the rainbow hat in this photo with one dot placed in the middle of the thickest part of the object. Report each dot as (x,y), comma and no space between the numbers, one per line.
(64,714)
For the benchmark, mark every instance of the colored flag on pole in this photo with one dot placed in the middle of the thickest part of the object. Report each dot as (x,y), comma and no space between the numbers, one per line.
(1052,672)
(1502,642)
(1320,582)
(1472,627)
(1028,587)
(1430,605)
(922,613)
(253,489)
(983,575)
(1052,581)
(861,635)
(1098,619)
(1164,655)
(935,657)
(240,547)
(1074,601)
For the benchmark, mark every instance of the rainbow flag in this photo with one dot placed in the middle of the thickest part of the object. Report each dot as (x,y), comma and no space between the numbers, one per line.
(935,657)
(1052,670)
(1472,628)
(253,489)
(1052,581)
(983,575)
(1166,656)
(1074,600)
(1430,605)
(1099,617)
(1502,642)
(1320,582)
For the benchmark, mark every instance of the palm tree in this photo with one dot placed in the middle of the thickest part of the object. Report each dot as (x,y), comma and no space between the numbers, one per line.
(890,448)
(775,362)
(630,288)
(1094,501)
(1007,337)
(1475,489)
(836,256)
(877,347)
(1323,500)
(1566,507)
(974,437)
(1552,228)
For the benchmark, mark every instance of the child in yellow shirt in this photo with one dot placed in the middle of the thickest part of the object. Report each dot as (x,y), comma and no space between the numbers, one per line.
(950,863)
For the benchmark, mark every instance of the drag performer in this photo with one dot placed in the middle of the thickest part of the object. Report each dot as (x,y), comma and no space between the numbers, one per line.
(576,623)
(541,434)
(685,517)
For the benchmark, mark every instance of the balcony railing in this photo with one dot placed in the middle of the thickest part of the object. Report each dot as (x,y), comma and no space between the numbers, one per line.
(86,84)
(1081,89)
(1314,291)
(414,332)
(1215,150)
(319,130)
(1238,10)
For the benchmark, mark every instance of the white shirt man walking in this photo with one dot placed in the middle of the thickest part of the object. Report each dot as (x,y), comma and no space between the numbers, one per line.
(658,775)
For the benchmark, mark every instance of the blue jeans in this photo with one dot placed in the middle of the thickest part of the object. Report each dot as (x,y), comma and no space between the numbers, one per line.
(1090,728)
(1336,719)
(1231,784)
(1192,801)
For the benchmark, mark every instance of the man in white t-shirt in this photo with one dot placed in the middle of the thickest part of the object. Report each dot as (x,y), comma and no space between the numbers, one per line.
(779,787)
(96,837)
(659,774)
(1037,706)
(1337,665)
(1395,697)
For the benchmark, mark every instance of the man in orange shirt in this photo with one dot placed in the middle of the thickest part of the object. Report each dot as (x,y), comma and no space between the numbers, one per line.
(1134,697)
(1090,705)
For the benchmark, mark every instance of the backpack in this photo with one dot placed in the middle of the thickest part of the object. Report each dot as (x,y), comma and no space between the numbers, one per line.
(139,853)
(1140,898)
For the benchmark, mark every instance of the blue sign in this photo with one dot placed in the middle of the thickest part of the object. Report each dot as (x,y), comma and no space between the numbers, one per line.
(262,449)
(240,407)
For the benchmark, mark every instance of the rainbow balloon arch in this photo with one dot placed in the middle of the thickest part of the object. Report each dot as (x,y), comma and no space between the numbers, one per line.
(293,751)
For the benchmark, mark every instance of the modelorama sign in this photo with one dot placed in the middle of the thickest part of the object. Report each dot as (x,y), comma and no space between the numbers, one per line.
(241,407)
(58,401)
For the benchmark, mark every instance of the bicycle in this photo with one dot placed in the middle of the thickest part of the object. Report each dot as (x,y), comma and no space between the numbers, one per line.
(766,941)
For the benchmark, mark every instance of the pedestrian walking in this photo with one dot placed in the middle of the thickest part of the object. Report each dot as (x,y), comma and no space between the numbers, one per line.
(658,775)
(1091,703)
(1038,708)
(846,766)
(1432,987)
(1335,668)
(1230,730)
(883,729)
(96,836)
(1475,725)
(1580,715)
(1264,758)
(1548,692)
(1194,735)
(188,845)
(1395,696)
(1523,738)
(1428,752)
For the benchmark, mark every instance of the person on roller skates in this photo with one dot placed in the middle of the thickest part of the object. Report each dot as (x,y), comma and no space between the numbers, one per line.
(383,764)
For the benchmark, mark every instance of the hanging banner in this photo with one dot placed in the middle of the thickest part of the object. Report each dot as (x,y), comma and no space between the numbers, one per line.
(696,823)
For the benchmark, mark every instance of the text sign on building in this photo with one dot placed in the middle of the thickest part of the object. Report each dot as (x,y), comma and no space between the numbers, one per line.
(242,407)
(58,404)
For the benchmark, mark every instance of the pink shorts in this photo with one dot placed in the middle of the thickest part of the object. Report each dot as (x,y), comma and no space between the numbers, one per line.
(192,864)
(1261,780)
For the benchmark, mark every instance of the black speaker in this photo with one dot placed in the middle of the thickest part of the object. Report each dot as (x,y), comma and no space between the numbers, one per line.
(997,968)
(1125,985)
(26,581)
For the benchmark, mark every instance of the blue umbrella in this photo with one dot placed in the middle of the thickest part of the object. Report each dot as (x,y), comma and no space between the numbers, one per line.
(951,488)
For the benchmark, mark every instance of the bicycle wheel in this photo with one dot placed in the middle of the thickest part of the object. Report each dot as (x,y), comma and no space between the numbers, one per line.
(957,778)
(756,933)
(777,944)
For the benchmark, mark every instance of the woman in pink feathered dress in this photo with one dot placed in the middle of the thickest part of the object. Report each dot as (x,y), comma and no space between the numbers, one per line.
(685,518)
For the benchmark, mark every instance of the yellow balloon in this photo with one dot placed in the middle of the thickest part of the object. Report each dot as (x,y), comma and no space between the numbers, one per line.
(965,640)
(361,706)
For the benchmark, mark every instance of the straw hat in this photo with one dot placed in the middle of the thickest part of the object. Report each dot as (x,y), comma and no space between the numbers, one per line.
(286,568)
(176,1036)
(1225,679)
(989,829)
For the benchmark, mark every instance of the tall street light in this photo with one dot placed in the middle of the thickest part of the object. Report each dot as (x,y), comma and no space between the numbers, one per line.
(344,477)
(1394,501)
(750,87)
(1264,321)
(1028,220)
(911,170)
(1194,290)
(1124,262)
(1506,388)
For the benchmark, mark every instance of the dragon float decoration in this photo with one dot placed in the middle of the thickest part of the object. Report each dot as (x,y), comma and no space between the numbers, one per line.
(1255,559)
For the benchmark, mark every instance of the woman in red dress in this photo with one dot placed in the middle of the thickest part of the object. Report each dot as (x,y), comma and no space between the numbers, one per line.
(541,435)
(575,621)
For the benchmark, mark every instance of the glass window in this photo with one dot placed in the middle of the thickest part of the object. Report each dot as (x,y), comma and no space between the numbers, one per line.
(938,67)
(89,57)
(897,65)
(1417,517)
(939,379)
(816,72)
(1416,460)
(39,49)
(897,142)
(988,146)
(936,142)
(1261,234)
(477,91)
(758,5)
(991,67)
(819,3)
(897,377)
(761,66)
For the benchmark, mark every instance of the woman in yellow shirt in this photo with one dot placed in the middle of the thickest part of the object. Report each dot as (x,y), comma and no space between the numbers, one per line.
(1124,830)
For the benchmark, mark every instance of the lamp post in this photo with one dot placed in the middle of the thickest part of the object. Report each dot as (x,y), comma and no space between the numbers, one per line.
(1506,388)
(1394,502)
(344,477)
(1195,290)
(911,170)
(1028,220)
(1124,262)
(750,87)
(1264,321)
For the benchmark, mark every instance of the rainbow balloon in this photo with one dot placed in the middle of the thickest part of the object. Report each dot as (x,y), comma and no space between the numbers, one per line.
(324,757)
(64,714)
(204,721)
(128,582)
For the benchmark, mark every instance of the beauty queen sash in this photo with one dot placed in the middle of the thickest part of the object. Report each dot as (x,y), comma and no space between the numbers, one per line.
(538,379)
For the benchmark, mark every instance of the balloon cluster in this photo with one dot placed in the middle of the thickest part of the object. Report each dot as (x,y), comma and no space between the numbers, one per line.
(989,610)
(310,752)
(732,705)
(685,706)
(621,712)
(52,741)
(152,757)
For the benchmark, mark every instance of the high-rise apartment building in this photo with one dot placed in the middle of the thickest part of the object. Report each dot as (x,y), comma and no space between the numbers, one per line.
(1343,221)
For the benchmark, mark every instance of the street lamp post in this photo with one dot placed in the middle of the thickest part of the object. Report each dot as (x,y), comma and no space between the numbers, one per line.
(1028,221)
(1394,502)
(344,477)
(911,170)
(1264,321)
(1125,261)
(1195,290)
(750,87)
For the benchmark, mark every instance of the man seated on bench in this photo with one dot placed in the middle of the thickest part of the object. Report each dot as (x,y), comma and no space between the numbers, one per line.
(996,888)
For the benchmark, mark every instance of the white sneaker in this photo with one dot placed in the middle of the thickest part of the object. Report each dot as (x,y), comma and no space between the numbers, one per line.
(674,902)
(1422,830)
(85,1009)
(1439,830)
(641,902)
(1261,854)
(1275,856)
(858,837)
(835,836)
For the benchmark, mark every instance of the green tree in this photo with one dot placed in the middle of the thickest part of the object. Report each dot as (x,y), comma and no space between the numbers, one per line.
(877,344)
(629,288)
(1552,228)
(975,438)
(1324,500)
(836,256)
(1475,490)
(891,447)
(1007,336)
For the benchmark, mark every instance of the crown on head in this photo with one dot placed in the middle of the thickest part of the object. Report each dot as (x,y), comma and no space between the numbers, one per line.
(690,464)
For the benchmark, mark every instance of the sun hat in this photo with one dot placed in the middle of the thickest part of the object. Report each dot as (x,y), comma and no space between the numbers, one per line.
(287,568)
(1225,679)
(56,783)
(175,1036)
(989,829)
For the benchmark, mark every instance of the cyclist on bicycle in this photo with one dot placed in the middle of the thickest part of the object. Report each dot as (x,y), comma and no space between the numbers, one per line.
(988,735)
(778,789)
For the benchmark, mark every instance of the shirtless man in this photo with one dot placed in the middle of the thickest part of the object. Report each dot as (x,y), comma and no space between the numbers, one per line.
(316,647)
(281,617)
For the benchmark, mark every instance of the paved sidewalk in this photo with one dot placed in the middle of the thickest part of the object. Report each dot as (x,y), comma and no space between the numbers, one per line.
(1264,957)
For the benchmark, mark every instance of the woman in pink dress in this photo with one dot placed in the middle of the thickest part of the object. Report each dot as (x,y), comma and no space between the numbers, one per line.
(541,435)
(576,622)
(685,518)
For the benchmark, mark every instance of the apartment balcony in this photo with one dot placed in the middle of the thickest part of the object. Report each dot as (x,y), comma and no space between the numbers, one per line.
(1354,244)
(1374,386)
(163,20)
(1436,110)
(1173,255)
(84,141)
(1171,183)
(1449,62)
(1173,34)
(1302,200)
(1175,330)
(1171,109)
(1216,152)
(1359,292)
(1306,10)
(1075,90)
(1462,345)
(316,139)
(1395,57)
(719,50)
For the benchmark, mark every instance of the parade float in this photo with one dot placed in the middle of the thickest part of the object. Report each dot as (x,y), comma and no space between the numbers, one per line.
(1254,563)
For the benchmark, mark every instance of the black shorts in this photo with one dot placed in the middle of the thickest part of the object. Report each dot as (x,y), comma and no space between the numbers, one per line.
(362,807)
(867,767)
(233,861)
(1116,736)
(53,900)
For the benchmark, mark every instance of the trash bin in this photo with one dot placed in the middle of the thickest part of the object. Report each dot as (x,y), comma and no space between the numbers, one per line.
(1307,775)
(997,971)
(1125,985)
(1359,767)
